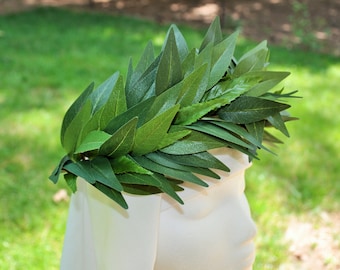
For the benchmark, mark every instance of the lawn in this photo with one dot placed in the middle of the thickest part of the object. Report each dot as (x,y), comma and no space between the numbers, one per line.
(48,56)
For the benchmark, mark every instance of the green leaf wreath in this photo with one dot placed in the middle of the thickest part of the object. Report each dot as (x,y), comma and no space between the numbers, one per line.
(153,133)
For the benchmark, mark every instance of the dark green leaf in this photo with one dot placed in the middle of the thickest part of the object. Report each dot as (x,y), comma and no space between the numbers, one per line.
(202,159)
(56,172)
(218,132)
(168,171)
(75,108)
(71,181)
(112,194)
(103,173)
(195,142)
(276,121)
(245,110)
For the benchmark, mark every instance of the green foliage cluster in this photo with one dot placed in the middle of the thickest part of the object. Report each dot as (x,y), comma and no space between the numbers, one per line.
(154,132)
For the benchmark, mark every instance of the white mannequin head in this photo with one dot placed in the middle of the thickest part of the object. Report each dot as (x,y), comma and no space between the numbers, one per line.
(213,229)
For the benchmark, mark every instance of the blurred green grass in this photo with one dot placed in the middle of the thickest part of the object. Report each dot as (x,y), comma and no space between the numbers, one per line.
(48,56)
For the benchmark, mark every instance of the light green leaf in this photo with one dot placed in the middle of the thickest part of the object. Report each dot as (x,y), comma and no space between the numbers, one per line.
(121,142)
(92,141)
(125,164)
(150,135)
(191,114)
(245,110)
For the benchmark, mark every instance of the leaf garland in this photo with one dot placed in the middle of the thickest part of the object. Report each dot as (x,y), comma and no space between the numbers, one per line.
(153,132)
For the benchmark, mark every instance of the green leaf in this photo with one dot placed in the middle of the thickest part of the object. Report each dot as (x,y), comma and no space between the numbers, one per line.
(213,35)
(267,80)
(121,142)
(140,110)
(75,108)
(276,121)
(254,60)
(125,164)
(191,114)
(166,160)
(168,188)
(256,129)
(201,159)
(82,169)
(115,105)
(144,63)
(56,172)
(112,194)
(169,70)
(218,132)
(144,87)
(193,86)
(240,131)
(100,96)
(195,142)
(92,141)
(71,181)
(150,135)
(104,174)
(221,57)
(172,137)
(168,171)
(245,110)
(74,130)
(180,41)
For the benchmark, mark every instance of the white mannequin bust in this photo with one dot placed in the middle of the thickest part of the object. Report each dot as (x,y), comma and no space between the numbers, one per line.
(212,230)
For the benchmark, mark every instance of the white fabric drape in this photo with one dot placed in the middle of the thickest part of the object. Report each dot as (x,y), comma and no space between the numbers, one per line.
(100,235)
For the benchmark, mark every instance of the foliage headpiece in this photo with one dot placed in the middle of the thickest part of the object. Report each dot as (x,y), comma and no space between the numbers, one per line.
(154,132)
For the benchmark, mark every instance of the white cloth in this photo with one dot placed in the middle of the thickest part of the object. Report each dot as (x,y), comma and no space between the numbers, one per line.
(212,230)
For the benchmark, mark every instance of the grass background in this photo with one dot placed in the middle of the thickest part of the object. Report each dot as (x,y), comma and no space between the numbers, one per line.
(48,56)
